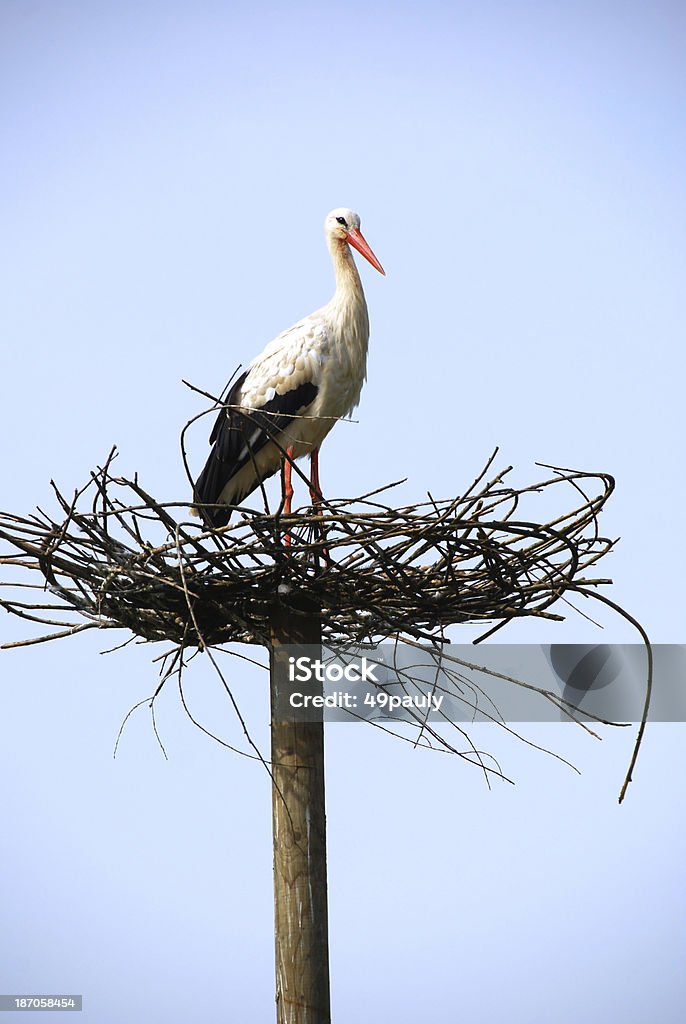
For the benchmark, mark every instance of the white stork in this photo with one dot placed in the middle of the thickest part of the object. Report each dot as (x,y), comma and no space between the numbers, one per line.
(292,394)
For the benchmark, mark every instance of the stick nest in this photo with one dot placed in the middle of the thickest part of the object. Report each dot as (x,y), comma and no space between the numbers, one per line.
(113,556)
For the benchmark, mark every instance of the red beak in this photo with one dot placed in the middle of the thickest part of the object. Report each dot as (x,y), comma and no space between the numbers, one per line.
(357,240)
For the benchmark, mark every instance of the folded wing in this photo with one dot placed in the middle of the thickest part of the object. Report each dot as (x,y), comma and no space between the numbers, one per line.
(238,461)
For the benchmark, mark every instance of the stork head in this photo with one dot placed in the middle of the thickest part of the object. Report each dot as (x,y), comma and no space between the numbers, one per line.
(343,225)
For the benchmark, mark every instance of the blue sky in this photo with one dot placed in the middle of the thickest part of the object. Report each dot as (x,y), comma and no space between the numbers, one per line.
(519,170)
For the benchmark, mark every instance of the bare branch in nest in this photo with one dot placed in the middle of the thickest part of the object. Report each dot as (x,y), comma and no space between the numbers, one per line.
(394,572)
(116,557)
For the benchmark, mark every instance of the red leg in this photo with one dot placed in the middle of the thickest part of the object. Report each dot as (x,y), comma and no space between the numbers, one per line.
(287,484)
(287,490)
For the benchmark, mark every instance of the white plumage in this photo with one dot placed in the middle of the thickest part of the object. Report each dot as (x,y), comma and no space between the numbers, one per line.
(293,393)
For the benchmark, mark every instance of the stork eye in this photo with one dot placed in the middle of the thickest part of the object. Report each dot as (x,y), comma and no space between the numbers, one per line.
(341,220)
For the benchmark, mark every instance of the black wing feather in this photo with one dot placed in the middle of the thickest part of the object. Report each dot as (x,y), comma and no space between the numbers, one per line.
(231,399)
(237,437)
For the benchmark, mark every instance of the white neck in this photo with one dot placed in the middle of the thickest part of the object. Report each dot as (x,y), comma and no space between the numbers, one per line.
(348,309)
(348,283)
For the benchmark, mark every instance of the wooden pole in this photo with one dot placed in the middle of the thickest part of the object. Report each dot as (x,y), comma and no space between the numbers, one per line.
(299,833)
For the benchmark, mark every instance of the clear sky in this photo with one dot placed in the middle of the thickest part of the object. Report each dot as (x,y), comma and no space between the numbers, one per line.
(520,171)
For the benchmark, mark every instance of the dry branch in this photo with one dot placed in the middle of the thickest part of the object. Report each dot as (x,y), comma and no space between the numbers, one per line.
(119,558)
(114,557)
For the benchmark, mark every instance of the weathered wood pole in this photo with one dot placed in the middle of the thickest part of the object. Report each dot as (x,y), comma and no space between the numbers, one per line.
(299,832)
